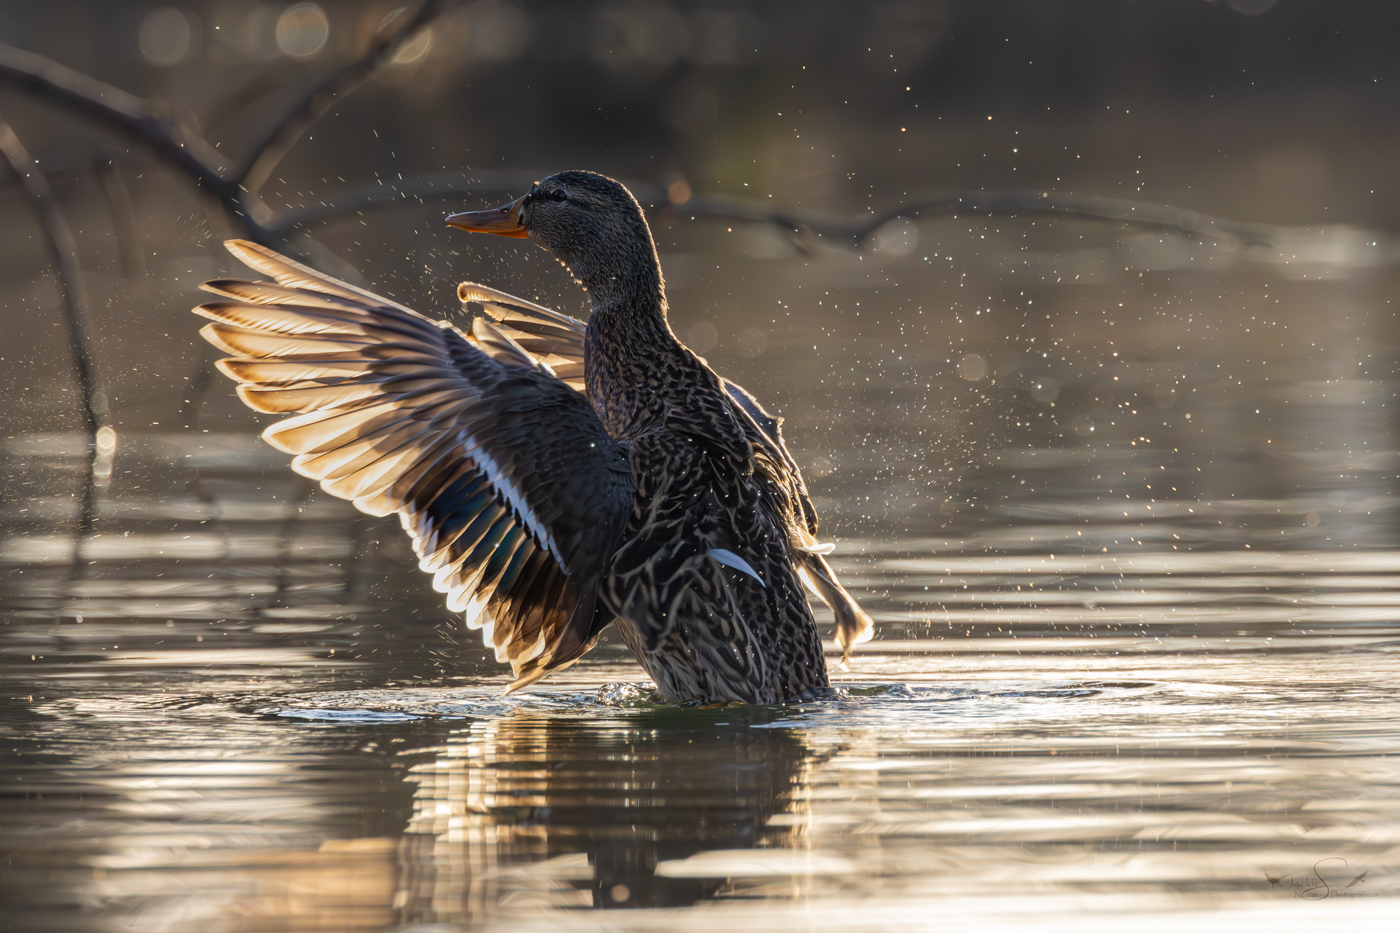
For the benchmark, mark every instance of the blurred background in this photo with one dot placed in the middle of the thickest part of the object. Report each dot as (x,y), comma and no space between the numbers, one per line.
(914,351)
(1081,316)
(952,378)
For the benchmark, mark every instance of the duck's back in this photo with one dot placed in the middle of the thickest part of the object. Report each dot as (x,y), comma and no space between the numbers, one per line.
(704,581)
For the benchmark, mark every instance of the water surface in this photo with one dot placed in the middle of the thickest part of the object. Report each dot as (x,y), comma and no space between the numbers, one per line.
(1135,663)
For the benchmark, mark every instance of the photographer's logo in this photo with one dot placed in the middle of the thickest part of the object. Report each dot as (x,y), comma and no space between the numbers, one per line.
(1330,877)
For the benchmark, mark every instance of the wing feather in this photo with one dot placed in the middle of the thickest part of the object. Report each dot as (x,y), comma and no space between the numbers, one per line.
(552,339)
(329,393)
(241,341)
(506,482)
(474,496)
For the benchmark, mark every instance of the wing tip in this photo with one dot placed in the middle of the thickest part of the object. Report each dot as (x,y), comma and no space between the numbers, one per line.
(242,249)
(228,368)
(210,332)
(540,667)
(269,436)
(525,680)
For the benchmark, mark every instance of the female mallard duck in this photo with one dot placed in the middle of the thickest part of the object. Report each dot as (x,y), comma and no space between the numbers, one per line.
(554,476)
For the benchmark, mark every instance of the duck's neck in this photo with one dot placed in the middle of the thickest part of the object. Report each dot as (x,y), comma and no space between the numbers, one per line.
(633,321)
(630,355)
(628,298)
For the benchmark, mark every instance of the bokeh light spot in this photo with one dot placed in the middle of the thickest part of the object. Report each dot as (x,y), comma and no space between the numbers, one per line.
(302,30)
(166,37)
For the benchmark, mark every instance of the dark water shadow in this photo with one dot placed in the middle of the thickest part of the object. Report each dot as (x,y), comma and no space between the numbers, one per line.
(581,812)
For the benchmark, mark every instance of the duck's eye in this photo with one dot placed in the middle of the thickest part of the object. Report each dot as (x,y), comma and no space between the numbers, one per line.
(557,196)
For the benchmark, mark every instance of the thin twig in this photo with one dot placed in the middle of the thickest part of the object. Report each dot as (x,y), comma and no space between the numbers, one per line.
(253,89)
(286,131)
(196,387)
(139,120)
(994,203)
(133,258)
(1139,213)
(64,252)
(127,113)
(147,123)
(448,187)
(188,151)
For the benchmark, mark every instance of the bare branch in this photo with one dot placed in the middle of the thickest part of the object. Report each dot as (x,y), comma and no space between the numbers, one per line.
(286,131)
(144,122)
(993,203)
(64,252)
(1139,213)
(265,82)
(123,218)
(139,119)
(126,113)
(196,388)
(449,187)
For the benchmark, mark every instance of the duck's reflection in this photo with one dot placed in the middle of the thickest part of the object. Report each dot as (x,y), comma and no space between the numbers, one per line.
(565,812)
(176,819)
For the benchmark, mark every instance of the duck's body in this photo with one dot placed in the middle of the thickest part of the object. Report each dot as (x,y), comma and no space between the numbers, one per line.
(555,476)
(703,581)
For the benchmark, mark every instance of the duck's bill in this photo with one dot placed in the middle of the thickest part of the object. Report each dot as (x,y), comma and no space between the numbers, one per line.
(502,221)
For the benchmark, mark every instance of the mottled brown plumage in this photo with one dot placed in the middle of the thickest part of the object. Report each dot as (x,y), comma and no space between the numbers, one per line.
(554,476)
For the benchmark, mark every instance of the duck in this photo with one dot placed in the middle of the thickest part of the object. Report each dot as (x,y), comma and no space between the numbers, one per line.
(554,476)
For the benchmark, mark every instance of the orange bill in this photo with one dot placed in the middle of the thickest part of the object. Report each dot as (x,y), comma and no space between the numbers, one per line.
(502,221)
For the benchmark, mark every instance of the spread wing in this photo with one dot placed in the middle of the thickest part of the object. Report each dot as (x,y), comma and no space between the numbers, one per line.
(501,473)
(556,340)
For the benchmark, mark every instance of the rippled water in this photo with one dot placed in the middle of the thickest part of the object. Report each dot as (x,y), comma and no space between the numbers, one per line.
(1136,658)
(240,712)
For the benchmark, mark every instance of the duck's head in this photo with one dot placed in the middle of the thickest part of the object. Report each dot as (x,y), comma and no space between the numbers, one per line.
(591,224)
